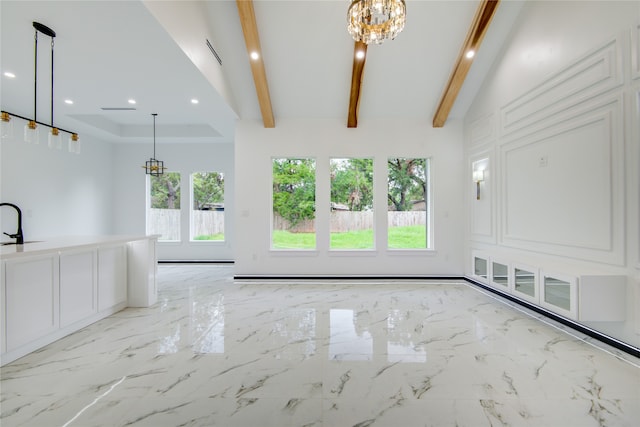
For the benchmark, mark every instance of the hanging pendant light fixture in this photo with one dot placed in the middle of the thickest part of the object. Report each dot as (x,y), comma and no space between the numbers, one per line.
(374,21)
(153,166)
(31,129)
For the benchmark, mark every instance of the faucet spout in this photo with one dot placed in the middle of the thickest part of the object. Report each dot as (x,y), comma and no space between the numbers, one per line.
(18,236)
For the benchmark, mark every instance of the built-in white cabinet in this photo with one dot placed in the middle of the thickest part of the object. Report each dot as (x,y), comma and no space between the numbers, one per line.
(112,276)
(142,271)
(31,285)
(78,286)
(49,292)
(525,283)
(559,293)
(578,296)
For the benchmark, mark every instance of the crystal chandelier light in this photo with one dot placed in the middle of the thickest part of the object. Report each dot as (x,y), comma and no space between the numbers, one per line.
(376,20)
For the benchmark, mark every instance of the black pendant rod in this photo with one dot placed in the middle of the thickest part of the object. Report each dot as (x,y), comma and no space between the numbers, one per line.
(154,134)
(35,76)
(52,81)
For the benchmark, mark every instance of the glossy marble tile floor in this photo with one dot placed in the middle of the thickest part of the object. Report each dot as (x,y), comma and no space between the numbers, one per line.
(303,353)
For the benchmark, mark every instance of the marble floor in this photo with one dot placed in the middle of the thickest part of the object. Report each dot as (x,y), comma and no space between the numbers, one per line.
(214,352)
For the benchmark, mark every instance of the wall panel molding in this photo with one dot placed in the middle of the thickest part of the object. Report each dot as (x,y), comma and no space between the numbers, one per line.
(482,213)
(593,74)
(482,130)
(538,217)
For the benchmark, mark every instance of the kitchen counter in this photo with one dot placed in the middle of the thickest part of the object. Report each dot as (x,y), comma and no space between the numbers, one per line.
(37,247)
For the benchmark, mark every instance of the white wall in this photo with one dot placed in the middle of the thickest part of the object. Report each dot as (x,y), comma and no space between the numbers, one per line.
(130,193)
(323,139)
(60,194)
(557,127)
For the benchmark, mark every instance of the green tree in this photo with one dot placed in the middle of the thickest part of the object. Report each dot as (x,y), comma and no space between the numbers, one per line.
(208,188)
(294,189)
(165,191)
(407,182)
(352,183)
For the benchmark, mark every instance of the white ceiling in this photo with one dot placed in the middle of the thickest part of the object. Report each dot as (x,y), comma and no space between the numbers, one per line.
(109,51)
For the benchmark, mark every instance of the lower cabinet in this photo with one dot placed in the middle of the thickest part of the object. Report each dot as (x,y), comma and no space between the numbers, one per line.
(32,286)
(45,297)
(112,276)
(78,286)
(577,296)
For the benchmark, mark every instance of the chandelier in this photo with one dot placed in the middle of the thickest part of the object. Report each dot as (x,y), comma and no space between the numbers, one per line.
(376,20)
(154,166)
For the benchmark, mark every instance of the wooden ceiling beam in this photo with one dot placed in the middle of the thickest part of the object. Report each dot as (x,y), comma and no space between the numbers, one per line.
(482,19)
(359,58)
(252,40)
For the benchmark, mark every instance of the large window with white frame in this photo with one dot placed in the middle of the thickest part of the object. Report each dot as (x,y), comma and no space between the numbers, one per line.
(408,203)
(352,214)
(293,203)
(163,206)
(207,206)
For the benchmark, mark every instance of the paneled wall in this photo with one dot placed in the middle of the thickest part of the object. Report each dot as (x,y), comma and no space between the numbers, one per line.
(556,131)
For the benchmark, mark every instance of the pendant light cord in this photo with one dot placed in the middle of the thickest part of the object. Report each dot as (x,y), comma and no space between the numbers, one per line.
(52,42)
(154,134)
(35,78)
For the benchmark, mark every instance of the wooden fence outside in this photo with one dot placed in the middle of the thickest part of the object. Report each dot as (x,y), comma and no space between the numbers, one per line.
(343,221)
(166,222)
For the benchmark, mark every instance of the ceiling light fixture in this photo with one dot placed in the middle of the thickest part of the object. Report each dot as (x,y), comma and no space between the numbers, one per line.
(131,101)
(376,20)
(9,74)
(194,101)
(153,166)
(31,131)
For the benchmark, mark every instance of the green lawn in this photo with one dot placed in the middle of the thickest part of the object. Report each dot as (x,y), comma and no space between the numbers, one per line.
(412,237)
(219,236)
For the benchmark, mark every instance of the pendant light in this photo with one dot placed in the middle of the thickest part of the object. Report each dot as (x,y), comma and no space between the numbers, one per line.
(153,166)
(31,129)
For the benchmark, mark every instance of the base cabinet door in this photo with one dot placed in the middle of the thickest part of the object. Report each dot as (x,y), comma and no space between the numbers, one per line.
(112,276)
(78,286)
(32,287)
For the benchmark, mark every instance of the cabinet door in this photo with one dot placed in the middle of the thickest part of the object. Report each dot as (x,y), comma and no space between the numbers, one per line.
(32,286)
(78,286)
(112,276)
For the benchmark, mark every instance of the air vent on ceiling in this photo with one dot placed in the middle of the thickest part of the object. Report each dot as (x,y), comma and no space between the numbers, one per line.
(118,108)
(213,51)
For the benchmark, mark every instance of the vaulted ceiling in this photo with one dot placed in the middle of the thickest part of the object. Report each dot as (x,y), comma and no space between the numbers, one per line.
(108,52)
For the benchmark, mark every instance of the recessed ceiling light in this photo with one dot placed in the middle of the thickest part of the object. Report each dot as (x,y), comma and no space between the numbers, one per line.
(360,54)
(9,74)
(254,55)
(132,101)
(68,101)
(470,54)
(194,101)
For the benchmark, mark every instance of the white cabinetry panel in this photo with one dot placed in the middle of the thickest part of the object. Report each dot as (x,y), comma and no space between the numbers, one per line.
(78,285)
(112,276)
(31,287)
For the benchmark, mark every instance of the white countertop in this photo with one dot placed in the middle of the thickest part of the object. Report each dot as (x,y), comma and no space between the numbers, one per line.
(55,244)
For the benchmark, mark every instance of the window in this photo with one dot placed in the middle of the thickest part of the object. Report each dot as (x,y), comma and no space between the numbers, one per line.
(207,207)
(163,206)
(294,204)
(351,222)
(407,203)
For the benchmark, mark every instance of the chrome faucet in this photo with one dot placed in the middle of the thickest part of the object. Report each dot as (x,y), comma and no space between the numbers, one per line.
(18,236)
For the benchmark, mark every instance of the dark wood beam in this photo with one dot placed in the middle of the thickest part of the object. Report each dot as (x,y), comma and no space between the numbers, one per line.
(252,40)
(479,26)
(359,58)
